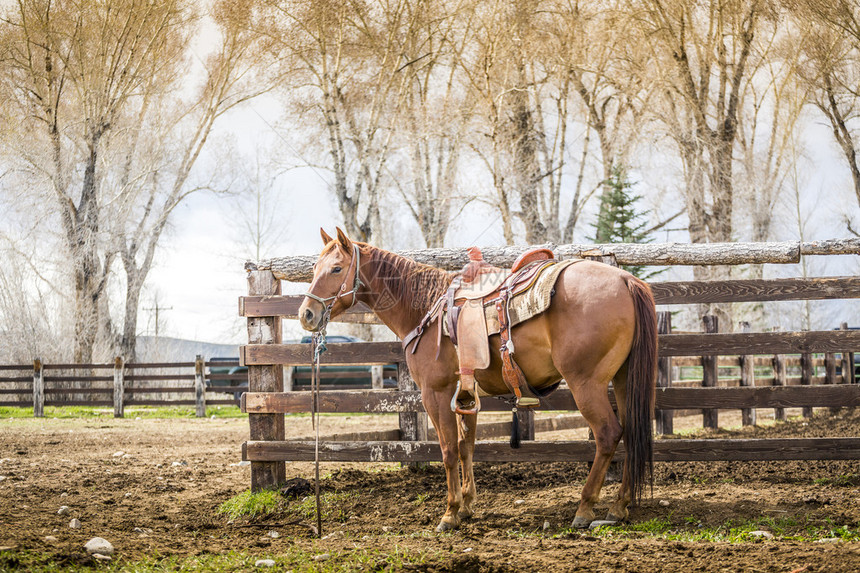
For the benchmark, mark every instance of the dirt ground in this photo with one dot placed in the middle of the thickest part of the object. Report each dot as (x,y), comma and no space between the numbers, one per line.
(152,487)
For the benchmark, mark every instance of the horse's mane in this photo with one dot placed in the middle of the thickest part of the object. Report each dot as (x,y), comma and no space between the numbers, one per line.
(407,280)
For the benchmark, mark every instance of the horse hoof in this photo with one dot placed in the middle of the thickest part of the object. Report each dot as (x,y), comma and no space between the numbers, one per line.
(465,515)
(581,522)
(612,517)
(444,527)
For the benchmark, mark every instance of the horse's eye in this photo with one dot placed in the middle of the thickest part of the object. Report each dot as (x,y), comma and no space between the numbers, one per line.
(336,270)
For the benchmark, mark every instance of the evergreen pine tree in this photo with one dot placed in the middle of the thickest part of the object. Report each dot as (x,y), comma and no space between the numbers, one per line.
(618,220)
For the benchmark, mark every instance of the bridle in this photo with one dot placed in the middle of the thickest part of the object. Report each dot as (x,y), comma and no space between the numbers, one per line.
(341,293)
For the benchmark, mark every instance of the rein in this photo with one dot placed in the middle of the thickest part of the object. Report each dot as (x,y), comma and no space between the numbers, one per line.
(318,340)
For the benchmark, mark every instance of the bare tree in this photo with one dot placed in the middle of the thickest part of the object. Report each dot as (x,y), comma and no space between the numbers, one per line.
(830,70)
(109,141)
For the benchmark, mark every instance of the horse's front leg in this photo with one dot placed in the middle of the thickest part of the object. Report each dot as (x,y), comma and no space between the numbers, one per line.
(438,406)
(467,429)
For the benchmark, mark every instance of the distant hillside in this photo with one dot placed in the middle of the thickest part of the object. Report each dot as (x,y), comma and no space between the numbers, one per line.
(166,349)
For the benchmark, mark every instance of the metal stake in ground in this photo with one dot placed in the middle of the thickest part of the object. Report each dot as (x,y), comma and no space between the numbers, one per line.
(318,341)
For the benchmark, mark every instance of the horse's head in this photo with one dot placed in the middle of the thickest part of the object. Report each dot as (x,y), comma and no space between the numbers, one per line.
(336,281)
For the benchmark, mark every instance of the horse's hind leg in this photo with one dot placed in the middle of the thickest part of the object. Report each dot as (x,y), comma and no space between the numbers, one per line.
(618,510)
(593,402)
(467,428)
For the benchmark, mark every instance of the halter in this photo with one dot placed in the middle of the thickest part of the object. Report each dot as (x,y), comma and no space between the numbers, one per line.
(356,260)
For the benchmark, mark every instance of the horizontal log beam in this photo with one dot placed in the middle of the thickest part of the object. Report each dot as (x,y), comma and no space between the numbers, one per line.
(669,345)
(569,451)
(382,402)
(299,268)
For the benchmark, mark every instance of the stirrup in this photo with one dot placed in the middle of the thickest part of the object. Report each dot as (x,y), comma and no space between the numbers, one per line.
(527,402)
(455,404)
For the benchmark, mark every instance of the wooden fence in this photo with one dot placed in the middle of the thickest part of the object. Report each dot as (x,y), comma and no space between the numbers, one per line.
(264,307)
(135,384)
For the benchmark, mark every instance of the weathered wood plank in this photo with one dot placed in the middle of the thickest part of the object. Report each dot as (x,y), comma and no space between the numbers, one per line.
(760,290)
(381,402)
(678,292)
(341,353)
(664,418)
(571,451)
(670,345)
(710,374)
(759,343)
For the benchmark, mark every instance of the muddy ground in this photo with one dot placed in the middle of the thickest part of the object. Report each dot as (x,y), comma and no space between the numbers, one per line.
(152,488)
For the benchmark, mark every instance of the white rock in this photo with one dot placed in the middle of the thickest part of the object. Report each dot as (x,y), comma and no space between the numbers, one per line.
(178,464)
(385,529)
(64,494)
(273,534)
(75,523)
(264,563)
(519,501)
(828,540)
(3,478)
(99,545)
(244,463)
(50,539)
(64,510)
(322,557)
(761,534)
(118,454)
(467,550)
(664,503)
(546,525)
(100,557)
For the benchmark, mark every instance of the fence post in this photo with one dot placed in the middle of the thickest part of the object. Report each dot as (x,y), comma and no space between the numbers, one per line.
(847,363)
(413,425)
(664,418)
(376,377)
(270,378)
(289,372)
(38,389)
(200,386)
(118,387)
(779,376)
(710,374)
(806,373)
(747,362)
(830,363)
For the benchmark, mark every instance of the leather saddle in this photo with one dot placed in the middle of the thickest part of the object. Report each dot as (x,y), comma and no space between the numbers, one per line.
(478,285)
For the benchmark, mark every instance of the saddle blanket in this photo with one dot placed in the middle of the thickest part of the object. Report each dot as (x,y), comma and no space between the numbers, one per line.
(527,304)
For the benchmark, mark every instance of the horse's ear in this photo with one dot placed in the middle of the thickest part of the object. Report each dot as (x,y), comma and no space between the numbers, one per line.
(325,237)
(344,240)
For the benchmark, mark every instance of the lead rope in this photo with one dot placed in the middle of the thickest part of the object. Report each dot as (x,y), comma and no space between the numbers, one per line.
(318,341)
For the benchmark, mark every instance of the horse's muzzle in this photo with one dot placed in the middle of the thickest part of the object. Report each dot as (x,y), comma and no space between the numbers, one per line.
(309,318)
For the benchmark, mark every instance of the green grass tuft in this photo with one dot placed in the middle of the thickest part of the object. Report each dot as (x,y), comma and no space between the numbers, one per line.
(251,504)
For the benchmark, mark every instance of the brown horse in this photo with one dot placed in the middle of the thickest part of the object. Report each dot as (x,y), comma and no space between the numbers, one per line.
(601,325)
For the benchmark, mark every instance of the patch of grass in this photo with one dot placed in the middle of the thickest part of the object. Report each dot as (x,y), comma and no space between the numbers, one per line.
(332,506)
(421,498)
(144,412)
(295,558)
(731,532)
(251,504)
(848,480)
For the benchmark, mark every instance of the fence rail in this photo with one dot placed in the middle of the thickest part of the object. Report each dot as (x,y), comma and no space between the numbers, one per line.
(41,387)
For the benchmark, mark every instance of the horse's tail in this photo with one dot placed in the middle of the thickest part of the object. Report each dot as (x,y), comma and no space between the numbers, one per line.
(641,383)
